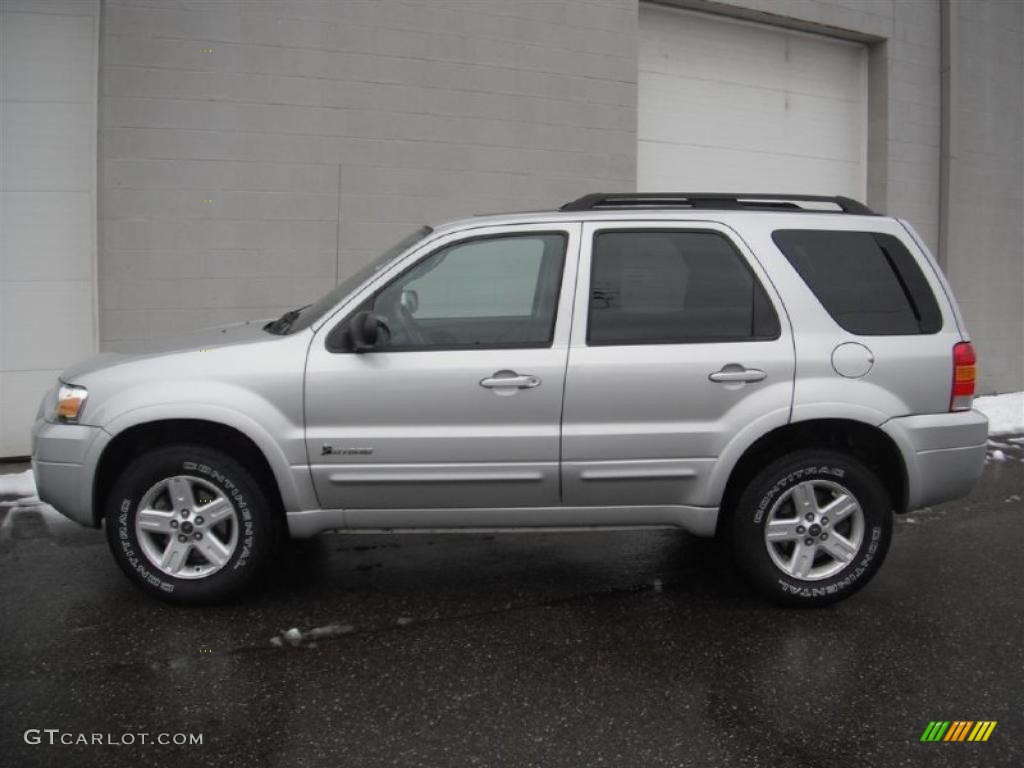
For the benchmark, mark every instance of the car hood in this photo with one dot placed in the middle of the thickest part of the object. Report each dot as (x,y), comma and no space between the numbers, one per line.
(246,332)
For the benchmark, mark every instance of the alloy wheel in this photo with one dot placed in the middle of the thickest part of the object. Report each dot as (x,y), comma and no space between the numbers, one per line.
(187,528)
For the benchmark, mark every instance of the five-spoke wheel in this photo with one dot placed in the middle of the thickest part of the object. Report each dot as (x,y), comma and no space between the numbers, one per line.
(814,529)
(186,527)
(190,524)
(811,527)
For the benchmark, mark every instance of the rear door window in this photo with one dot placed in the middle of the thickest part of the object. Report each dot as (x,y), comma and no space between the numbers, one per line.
(867,281)
(674,287)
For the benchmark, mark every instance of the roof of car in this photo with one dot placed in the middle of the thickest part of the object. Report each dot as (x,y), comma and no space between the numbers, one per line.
(674,206)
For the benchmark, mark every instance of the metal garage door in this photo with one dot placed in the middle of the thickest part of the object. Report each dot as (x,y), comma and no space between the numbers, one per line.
(728,105)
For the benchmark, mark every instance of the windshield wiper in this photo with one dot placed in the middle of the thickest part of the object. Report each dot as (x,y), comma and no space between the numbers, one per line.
(284,322)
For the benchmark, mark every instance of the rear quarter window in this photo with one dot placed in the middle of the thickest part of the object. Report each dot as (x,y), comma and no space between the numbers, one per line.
(868,282)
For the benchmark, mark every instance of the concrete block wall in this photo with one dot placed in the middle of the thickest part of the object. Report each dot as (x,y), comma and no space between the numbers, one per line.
(48,83)
(984,209)
(252,153)
(913,117)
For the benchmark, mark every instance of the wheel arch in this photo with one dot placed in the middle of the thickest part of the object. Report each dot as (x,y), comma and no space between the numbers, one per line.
(865,442)
(142,436)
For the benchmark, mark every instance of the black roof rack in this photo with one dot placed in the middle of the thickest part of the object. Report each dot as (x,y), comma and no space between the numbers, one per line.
(715,201)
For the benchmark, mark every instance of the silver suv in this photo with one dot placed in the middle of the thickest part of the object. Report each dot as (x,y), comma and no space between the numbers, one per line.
(784,371)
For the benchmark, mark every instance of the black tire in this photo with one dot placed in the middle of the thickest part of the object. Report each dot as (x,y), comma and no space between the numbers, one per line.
(751,514)
(257,521)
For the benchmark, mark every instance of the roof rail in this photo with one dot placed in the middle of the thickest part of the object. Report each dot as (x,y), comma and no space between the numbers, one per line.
(715,201)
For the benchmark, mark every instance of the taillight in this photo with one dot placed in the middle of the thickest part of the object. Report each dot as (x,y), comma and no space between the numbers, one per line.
(965,374)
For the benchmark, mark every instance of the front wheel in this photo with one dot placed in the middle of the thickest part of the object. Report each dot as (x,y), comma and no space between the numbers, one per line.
(189,524)
(812,528)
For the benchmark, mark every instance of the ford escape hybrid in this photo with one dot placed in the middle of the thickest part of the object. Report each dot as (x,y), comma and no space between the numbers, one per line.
(784,371)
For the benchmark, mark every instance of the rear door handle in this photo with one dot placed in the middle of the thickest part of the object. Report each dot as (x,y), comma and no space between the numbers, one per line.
(510,380)
(737,373)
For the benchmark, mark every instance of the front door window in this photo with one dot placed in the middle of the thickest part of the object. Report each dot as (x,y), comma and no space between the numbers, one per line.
(488,293)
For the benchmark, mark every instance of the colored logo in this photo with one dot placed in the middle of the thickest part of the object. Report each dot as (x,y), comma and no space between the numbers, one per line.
(958,730)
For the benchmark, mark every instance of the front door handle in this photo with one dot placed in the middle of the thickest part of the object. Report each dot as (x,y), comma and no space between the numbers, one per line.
(510,380)
(737,373)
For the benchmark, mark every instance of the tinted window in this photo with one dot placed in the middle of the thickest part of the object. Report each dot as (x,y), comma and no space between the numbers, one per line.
(672,287)
(867,281)
(481,293)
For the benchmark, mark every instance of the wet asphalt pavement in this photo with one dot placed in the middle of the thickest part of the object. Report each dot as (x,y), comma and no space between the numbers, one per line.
(615,649)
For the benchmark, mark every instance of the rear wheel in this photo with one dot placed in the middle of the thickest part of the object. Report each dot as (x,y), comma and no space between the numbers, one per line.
(189,524)
(812,528)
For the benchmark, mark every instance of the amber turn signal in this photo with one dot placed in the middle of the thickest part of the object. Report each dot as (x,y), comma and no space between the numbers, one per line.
(70,400)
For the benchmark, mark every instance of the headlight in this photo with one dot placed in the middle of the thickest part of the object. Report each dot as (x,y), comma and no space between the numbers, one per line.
(70,401)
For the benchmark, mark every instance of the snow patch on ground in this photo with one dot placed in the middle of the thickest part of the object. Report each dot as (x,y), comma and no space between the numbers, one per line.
(1005,412)
(21,504)
(20,486)
(330,630)
(296,637)
(19,499)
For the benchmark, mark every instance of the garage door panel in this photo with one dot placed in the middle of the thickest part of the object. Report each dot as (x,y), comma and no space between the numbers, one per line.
(717,169)
(789,109)
(755,119)
(719,49)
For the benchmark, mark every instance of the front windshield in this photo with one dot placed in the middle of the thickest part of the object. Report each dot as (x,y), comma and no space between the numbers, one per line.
(310,314)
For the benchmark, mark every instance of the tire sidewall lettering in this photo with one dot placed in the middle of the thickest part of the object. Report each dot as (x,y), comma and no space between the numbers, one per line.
(134,558)
(248,534)
(782,484)
(868,557)
(845,580)
(124,538)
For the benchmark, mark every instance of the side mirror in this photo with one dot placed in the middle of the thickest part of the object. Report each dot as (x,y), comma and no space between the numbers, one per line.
(410,301)
(365,331)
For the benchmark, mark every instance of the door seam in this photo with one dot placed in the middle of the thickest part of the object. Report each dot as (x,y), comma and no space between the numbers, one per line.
(568,354)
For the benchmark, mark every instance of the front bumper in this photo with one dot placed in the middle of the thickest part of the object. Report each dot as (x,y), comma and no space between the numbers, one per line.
(944,454)
(64,460)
